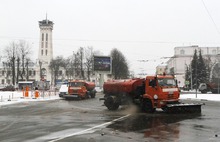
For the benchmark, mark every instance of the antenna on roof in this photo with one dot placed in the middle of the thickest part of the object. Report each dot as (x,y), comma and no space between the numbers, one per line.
(46,18)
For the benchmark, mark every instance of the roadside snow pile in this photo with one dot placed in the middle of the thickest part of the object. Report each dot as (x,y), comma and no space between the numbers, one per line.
(7,98)
(210,97)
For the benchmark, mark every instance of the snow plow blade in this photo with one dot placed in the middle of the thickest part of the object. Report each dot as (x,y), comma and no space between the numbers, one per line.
(183,108)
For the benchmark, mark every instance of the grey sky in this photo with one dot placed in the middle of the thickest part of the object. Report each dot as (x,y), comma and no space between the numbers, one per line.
(141,29)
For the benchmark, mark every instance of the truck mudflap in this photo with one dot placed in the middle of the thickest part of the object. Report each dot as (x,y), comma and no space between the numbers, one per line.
(183,108)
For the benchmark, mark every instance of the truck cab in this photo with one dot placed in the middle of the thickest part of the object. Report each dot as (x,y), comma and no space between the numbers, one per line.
(161,90)
(80,89)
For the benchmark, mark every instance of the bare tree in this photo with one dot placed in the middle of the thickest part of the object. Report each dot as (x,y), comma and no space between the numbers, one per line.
(9,63)
(78,63)
(81,62)
(69,68)
(14,52)
(24,52)
(88,61)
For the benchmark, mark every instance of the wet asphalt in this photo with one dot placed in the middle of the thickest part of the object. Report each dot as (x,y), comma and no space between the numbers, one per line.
(90,121)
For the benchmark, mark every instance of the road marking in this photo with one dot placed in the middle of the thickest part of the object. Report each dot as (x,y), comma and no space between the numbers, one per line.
(90,129)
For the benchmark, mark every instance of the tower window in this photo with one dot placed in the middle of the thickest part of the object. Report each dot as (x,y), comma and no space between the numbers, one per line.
(42,37)
(182,52)
(42,52)
(42,45)
(3,81)
(46,37)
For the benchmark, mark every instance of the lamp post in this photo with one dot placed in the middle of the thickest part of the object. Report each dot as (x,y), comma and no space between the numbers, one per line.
(218,76)
(196,79)
(218,71)
(40,63)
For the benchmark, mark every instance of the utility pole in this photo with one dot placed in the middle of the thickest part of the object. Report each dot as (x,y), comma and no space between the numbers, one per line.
(218,70)
(191,77)
(196,78)
(218,76)
(40,63)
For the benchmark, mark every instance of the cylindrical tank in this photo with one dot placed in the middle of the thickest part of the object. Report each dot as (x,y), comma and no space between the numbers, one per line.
(122,86)
(89,85)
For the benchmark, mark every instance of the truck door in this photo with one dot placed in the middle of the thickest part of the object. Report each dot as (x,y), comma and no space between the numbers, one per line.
(151,87)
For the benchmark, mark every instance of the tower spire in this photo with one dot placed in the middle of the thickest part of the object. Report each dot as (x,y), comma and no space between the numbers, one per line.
(46,18)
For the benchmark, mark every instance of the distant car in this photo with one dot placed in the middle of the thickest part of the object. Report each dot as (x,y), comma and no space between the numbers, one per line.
(63,90)
(8,88)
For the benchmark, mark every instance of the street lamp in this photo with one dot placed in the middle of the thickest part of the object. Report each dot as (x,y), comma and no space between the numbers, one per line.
(40,63)
(218,76)
(218,72)
(196,79)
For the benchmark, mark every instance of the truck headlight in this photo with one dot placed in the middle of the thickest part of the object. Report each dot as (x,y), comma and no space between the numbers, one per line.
(155,96)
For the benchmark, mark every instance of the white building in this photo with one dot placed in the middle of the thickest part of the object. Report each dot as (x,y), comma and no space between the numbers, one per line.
(161,69)
(183,56)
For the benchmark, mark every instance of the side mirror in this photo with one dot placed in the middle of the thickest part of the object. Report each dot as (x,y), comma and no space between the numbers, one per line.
(176,82)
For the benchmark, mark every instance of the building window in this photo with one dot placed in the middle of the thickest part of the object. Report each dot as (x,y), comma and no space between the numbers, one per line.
(60,72)
(3,81)
(42,52)
(46,44)
(42,37)
(182,52)
(202,52)
(8,81)
(46,37)
(30,73)
(9,73)
(46,52)
(213,51)
(34,73)
(42,44)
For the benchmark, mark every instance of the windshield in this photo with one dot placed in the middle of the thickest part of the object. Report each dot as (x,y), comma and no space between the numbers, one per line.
(76,84)
(167,82)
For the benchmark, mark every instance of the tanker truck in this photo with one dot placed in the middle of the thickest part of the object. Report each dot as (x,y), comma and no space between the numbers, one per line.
(212,86)
(80,89)
(156,91)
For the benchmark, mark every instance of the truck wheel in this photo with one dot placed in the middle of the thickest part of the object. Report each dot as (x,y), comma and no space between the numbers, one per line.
(110,104)
(147,106)
(93,95)
(113,107)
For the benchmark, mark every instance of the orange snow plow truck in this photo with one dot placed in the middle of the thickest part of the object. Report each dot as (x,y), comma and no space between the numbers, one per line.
(80,89)
(160,91)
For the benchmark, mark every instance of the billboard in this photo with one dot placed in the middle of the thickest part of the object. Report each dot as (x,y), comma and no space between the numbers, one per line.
(102,64)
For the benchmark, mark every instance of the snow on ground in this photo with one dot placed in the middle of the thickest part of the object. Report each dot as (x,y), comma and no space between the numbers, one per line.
(7,98)
(208,96)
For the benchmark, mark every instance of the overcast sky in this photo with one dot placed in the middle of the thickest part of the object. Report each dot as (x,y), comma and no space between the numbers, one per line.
(140,29)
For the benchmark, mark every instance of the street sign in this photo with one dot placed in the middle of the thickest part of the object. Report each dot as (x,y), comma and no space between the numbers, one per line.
(187,82)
